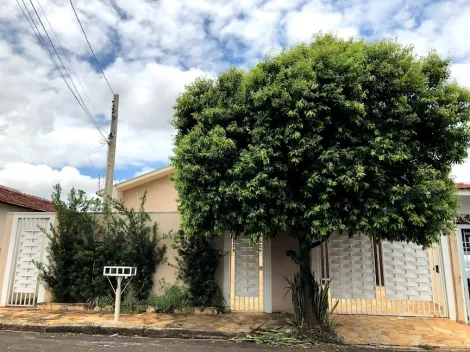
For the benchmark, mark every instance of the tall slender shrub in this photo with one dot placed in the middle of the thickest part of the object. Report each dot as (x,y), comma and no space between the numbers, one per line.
(197,262)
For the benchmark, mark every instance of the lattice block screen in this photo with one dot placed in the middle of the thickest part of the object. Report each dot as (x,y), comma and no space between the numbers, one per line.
(352,267)
(246,268)
(407,273)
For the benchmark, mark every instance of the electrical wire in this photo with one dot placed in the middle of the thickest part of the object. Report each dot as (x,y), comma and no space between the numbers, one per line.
(71,3)
(66,57)
(67,73)
(45,47)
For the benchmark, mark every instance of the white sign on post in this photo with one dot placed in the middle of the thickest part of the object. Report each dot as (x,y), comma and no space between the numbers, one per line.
(120,272)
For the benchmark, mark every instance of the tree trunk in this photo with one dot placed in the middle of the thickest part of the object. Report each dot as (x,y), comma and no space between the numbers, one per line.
(308,284)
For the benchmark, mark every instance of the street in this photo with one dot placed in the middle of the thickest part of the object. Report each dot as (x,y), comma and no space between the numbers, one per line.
(36,342)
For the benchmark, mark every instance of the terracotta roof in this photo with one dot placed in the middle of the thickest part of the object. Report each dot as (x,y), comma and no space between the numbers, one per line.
(15,197)
(461,185)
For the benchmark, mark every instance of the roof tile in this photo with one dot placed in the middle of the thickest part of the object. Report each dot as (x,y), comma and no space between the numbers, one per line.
(15,197)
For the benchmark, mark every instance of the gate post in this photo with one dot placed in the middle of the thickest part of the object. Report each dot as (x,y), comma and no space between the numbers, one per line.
(448,278)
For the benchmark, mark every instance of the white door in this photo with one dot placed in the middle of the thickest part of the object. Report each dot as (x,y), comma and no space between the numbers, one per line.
(246,276)
(27,246)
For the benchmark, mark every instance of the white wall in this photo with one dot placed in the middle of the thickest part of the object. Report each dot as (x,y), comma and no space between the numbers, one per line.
(465,206)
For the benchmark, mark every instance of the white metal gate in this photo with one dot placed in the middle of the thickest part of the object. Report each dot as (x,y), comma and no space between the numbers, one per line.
(382,278)
(27,246)
(246,292)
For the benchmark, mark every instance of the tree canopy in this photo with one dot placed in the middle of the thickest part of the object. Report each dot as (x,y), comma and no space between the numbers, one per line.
(332,136)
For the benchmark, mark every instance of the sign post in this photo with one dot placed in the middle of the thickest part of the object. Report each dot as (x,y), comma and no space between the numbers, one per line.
(120,272)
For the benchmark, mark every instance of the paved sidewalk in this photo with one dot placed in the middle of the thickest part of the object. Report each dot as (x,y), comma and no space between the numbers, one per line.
(354,329)
(221,325)
(407,331)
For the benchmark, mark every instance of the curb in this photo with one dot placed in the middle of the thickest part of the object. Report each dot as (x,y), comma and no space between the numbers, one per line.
(120,330)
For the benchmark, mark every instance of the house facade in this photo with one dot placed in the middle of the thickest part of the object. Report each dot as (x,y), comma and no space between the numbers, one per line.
(367,277)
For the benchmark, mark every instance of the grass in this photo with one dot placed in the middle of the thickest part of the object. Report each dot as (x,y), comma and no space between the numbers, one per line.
(426,347)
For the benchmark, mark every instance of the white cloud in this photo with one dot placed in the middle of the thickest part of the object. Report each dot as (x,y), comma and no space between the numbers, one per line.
(314,17)
(40,179)
(461,172)
(152,49)
(143,171)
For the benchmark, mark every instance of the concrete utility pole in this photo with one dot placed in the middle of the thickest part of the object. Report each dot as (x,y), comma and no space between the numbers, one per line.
(108,185)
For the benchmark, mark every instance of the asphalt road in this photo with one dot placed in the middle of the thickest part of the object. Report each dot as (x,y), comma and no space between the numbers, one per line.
(35,342)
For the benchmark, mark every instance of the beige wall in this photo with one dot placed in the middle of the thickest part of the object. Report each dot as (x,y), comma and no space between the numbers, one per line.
(161,196)
(4,209)
(167,272)
(282,265)
(8,222)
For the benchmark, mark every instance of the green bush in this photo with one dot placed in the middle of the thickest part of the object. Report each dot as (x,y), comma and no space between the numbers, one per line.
(130,302)
(100,302)
(71,251)
(197,263)
(80,246)
(172,297)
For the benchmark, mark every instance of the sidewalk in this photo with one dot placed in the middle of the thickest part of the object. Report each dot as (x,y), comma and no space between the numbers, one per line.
(406,331)
(354,329)
(145,324)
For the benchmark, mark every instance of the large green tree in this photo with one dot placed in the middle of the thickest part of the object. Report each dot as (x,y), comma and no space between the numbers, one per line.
(336,136)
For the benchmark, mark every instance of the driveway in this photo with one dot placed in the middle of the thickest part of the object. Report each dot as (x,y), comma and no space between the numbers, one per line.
(35,342)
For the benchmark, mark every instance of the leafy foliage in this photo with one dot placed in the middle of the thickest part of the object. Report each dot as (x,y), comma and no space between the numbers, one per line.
(335,136)
(71,249)
(172,297)
(298,300)
(81,245)
(320,301)
(197,262)
(130,241)
(131,303)
(331,136)
(321,305)
(100,302)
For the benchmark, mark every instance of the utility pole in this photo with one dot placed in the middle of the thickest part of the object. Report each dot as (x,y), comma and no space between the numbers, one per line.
(108,185)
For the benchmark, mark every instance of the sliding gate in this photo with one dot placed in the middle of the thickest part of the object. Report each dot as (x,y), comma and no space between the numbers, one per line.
(383,278)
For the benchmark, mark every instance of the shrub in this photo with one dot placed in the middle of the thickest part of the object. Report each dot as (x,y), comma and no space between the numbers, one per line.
(130,302)
(173,297)
(197,263)
(79,247)
(100,302)
(130,241)
(71,251)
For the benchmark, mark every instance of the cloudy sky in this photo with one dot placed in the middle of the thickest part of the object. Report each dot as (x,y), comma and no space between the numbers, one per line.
(149,50)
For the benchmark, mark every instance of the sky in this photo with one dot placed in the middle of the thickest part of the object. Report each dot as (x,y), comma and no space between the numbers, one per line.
(149,50)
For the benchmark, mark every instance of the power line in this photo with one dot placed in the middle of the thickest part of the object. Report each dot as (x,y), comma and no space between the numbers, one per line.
(66,57)
(64,68)
(71,3)
(44,45)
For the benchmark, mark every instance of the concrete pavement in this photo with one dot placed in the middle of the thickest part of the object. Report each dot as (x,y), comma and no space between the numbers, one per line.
(12,341)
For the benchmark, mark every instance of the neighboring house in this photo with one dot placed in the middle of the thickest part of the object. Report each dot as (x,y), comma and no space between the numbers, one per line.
(12,200)
(21,242)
